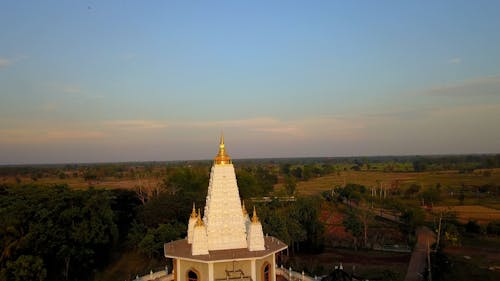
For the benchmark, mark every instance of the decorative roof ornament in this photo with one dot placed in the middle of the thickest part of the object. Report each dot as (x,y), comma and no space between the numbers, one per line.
(199,222)
(193,212)
(222,158)
(255,218)
(243,209)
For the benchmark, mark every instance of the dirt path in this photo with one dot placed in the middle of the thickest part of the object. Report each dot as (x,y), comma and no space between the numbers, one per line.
(418,259)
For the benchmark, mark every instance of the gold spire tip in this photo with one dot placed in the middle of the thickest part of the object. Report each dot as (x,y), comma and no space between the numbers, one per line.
(222,158)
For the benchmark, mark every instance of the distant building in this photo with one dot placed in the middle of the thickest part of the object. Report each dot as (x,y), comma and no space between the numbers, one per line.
(224,243)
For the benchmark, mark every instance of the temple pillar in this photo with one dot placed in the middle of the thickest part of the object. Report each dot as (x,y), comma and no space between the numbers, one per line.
(177,270)
(211,272)
(254,271)
(273,268)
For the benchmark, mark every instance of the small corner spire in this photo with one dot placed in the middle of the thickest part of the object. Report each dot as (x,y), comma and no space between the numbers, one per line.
(193,212)
(255,218)
(243,208)
(199,222)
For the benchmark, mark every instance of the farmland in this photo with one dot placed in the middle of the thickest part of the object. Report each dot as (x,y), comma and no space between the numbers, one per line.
(447,179)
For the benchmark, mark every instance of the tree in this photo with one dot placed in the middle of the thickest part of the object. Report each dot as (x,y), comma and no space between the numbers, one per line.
(431,195)
(493,227)
(247,184)
(152,243)
(285,169)
(366,217)
(352,224)
(412,218)
(306,212)
(412,190)
(472,227)
(461,196)
(26,267)
(146,190)
(419,165)
(352,192)
(297,172)
(290,185)
(451,234)
(70,231)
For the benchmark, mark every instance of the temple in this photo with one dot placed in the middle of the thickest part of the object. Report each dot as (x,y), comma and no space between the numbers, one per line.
(224,243)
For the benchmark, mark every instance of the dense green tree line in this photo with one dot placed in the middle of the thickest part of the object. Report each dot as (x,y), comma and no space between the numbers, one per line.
(55,233)
(255,181)
(295,223)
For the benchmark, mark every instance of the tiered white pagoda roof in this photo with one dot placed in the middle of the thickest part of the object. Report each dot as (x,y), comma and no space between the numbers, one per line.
(225,224)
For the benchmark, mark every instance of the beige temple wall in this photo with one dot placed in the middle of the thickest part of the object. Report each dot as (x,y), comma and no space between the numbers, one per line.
(200,268)
(259,264)
(221,267)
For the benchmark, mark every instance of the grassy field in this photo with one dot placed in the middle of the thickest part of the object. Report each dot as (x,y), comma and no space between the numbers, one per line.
(79,182)
(478,258)
(447,179)
(481,214)
(366,263)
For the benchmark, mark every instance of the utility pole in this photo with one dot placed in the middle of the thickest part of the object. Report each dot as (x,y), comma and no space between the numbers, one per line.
(439,230)
(429,261)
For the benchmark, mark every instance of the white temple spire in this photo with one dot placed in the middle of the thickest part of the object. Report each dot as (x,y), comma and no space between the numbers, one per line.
(191,224)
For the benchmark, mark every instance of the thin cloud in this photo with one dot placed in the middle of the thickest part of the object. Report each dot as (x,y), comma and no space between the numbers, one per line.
(455,60)
(40,136)
(402,113)
(328,126)
(5,62)
(482,86)
(49,107)
(250,122)
(258,124)
(76,134)
(127,56)
(71,89)
(279,130)
(135,124)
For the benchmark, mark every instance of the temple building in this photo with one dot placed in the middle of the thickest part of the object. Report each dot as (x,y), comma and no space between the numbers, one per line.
(224,243)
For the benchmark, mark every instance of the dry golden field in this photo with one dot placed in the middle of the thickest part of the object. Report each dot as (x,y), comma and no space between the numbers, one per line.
(79,182)
(477,213)
(388,179)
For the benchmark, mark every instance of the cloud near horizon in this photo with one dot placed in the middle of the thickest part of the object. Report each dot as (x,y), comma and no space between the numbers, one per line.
(137,124)
(481,86)
(37,136)
(5,62)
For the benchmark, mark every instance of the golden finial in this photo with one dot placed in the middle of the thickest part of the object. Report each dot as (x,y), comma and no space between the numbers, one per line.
(243,208)
(222,158)
(193,212)
(255,219)
(199,222)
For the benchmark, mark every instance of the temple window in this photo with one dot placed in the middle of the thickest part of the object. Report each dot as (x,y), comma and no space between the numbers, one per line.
(192,276)
(267,273)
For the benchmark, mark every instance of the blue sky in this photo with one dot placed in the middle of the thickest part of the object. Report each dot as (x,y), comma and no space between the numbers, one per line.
(92,81)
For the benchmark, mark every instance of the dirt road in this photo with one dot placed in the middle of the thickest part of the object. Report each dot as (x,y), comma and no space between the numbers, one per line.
(418,259)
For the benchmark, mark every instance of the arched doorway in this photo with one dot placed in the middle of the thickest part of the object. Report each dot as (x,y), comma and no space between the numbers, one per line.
(192,275)
(266,272)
